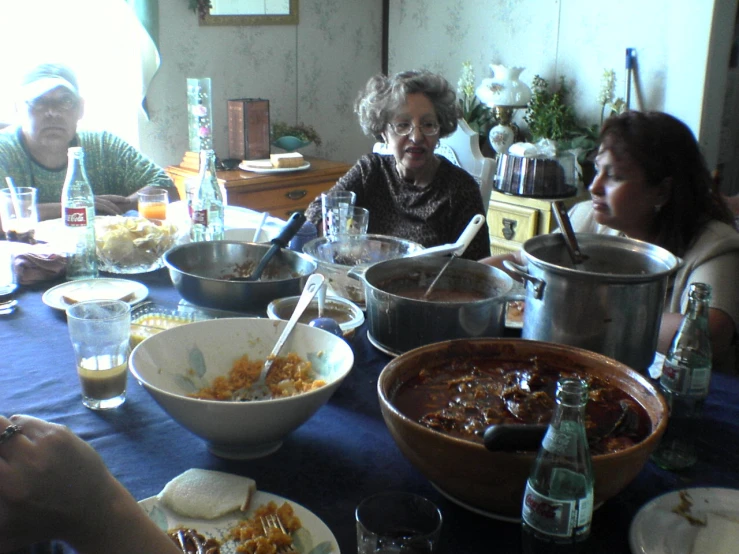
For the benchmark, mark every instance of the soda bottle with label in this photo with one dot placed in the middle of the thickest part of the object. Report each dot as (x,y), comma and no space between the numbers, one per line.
(558,501)
(206,204)
(78,214)
(684,382)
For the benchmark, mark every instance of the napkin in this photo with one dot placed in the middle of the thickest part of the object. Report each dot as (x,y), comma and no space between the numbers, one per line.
(37,264)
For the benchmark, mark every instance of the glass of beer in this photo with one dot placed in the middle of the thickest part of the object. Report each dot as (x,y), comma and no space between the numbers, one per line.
(19,213)
(100,331)
(153,203)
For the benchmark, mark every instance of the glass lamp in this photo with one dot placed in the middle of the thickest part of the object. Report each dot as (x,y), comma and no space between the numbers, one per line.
(503,93)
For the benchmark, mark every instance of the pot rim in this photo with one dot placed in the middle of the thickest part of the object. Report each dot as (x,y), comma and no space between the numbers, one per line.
(671,262)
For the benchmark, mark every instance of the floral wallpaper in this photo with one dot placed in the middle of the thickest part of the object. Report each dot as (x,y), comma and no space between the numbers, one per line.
(310,73)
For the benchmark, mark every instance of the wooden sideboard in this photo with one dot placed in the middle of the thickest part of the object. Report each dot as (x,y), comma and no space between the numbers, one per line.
(279,194)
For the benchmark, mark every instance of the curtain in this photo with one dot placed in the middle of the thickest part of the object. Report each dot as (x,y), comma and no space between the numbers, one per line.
(147,12)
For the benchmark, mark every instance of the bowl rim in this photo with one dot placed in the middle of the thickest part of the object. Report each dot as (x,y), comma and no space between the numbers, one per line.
(657,430)
(146,384)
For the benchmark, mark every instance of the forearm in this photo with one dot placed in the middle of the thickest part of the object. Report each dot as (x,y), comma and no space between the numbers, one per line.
(121,527)
(497,261)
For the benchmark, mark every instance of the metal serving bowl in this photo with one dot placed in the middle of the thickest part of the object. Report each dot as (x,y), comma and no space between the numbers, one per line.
(200,272)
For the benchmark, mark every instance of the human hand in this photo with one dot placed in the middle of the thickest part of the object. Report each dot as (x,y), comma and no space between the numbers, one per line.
(113,204)
(50,480)
(54,486)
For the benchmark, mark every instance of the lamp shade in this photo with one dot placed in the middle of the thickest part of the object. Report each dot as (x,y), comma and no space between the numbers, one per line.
(504,89)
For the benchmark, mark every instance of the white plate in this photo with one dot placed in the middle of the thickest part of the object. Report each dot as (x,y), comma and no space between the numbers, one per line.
(53,296)
(656,529)
(265,166)
(305,543)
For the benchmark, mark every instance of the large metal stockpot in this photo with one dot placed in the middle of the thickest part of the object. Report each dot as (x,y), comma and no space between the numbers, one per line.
(398,323)
(610,304)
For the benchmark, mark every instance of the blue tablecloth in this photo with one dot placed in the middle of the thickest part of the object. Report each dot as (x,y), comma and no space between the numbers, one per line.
(328,465)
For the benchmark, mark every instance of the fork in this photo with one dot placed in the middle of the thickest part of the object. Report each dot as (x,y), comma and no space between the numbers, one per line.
(274,522)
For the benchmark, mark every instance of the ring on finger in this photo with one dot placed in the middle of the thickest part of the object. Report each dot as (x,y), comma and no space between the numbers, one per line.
(10,430)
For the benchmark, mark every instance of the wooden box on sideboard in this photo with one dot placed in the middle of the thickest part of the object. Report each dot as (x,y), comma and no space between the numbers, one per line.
(248,129)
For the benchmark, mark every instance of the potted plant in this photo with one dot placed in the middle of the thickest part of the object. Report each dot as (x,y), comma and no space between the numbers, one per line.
(293,137)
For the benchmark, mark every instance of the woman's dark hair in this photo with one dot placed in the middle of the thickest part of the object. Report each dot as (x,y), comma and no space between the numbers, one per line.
(382,96)
(665,148)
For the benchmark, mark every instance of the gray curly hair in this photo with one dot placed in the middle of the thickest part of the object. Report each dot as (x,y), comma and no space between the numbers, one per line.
(383,96)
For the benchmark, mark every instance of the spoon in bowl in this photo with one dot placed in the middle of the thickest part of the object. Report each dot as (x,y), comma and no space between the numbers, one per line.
(259,389)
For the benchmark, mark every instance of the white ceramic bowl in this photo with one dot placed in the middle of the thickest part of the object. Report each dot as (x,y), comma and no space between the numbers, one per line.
(348,315)
(184,359)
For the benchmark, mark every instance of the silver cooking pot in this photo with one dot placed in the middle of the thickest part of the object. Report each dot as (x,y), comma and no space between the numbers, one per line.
(611,303)
(398,323)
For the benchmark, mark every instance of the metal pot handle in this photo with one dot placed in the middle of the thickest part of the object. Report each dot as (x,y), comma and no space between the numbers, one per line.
(537,285)
(357,272)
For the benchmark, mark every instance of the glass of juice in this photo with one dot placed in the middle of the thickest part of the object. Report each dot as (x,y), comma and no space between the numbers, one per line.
(100,331)
(153,203)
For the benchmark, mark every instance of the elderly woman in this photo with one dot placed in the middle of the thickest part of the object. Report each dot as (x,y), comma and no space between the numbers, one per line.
(413,193)
(652,184)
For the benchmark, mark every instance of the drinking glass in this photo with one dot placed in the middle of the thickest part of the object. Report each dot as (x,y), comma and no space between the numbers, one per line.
(335,209)
(100,331)
(8,284)
(397,522)
(153,204)
(19,213)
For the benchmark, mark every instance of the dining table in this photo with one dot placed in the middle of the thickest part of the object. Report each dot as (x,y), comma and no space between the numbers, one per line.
(341,455)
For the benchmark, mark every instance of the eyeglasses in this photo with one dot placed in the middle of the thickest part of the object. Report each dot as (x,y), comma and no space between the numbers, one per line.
(405,128)
(63,105)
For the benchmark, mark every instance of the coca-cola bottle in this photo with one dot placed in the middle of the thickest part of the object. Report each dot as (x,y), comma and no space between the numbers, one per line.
(206,203)
(558,501)
(684,382)
(78,214)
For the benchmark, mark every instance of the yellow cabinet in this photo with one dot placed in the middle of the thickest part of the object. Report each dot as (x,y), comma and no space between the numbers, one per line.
(513,220)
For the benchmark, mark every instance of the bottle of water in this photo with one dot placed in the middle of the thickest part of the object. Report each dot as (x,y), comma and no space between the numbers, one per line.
(684,382)
(558,501)
(206,204)
(78,214)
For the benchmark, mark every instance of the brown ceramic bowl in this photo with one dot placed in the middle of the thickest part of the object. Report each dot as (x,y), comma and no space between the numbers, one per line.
(493,482)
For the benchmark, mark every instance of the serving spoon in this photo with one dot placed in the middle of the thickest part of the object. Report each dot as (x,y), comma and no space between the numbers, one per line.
(560,213)
(259,389)
(280,241)
(462,243)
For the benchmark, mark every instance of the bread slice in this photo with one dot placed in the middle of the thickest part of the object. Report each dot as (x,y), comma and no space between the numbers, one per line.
(289,159)
(99,291)
(206,494)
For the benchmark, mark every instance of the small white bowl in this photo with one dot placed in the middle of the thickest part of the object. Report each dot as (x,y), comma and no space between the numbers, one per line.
(184,359)
(347,314)
(246,234)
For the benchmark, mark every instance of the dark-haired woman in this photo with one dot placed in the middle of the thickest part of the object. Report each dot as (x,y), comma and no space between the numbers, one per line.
(652,184)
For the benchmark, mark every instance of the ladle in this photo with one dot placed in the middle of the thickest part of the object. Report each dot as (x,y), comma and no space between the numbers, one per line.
(463,242)
(259,389)
(280,241)
(560,213)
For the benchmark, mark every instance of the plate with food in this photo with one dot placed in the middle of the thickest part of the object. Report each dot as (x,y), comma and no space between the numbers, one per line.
(62,296)
(688,521)
(229,510)
(277,163)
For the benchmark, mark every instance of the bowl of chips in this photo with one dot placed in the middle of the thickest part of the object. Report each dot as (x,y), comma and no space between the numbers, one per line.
(133,244)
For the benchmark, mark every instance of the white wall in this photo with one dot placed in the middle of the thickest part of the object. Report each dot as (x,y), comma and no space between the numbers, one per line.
(577,39)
